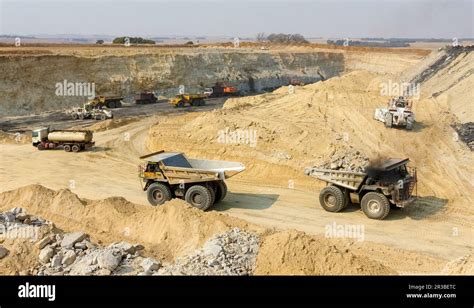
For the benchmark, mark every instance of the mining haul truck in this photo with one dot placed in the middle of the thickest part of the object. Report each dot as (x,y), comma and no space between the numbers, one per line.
(106,101)
(69,140)
(221,89)
(390,182)
(200,182)
(181,100)
(397,113)
(145,98)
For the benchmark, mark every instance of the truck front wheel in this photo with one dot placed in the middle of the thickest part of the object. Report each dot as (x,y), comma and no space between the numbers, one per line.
(332,199)
(375,205)
(158,193)
(200,197)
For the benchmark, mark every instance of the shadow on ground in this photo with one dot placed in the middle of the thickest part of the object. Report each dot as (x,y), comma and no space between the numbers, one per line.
(246,201)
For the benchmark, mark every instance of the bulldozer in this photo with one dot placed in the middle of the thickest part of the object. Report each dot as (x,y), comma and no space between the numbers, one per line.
(182,100)
(397,113)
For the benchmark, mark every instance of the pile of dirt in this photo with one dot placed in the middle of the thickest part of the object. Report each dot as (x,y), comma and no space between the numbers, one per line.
(295,253)
(108,124)
(168,231)
(18,138)
(77,231)
(461,266)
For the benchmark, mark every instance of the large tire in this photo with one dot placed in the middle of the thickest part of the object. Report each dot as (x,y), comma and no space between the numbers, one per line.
(40,147)
(75,116)
(180,104)
(67,148)
(81,116)
(332,199)
(75,148)
(410,123)
(388,120)
(118,104)
(110,104)
(221,191)
(103,117)
(200,197)
(158,193)
(375,205)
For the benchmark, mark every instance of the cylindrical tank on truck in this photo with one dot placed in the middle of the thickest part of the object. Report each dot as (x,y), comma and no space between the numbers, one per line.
(69,140)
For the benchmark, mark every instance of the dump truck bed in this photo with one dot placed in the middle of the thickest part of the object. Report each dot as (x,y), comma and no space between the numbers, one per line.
(176,167)
(348,179)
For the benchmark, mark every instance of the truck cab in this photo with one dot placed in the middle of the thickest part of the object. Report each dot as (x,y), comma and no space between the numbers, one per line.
(39,135)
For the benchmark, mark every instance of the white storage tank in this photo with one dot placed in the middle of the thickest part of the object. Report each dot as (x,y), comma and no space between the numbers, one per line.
(70,136)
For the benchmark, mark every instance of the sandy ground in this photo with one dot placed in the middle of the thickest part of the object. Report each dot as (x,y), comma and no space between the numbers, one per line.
(294,130)
(111,170)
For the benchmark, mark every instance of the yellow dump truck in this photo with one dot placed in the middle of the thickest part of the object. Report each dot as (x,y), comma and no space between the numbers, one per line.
(106,101)
(200,182)
(182,100)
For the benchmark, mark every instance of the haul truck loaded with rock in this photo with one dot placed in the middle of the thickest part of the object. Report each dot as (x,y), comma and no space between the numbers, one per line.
(385,183)
(69,140)
(200,182)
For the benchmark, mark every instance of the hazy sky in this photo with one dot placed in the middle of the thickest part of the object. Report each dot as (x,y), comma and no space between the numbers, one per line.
(244,18)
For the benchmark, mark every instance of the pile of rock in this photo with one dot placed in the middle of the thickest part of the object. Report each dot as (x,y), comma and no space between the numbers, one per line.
(231,253)
(349,160)
(74,254)
(466,133)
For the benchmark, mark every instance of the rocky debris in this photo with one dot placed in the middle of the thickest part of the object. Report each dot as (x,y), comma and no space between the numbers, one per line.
(44,241)
(149,265)
(46,254)
(74,254)
(3,252)
(231,253)
(109,259)
(19,218)
(68,258)
(466,133)
(72,238)
(348,160)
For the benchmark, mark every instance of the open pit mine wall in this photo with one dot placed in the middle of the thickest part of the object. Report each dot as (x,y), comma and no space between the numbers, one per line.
(28,83)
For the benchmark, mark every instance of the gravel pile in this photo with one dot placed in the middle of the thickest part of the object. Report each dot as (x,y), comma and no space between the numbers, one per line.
(348,160)
(231,253)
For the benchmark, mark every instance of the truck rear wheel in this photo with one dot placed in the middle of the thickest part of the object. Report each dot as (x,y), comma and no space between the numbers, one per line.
(375,205)
(221,191)
(75,148)
(332,199)
(158,193)
(67,148)
(81,116)
(75,116)
(409,123)
(200,197)
(388,120)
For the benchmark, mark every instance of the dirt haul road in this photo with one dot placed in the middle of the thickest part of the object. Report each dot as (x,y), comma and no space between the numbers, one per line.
(111,170)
